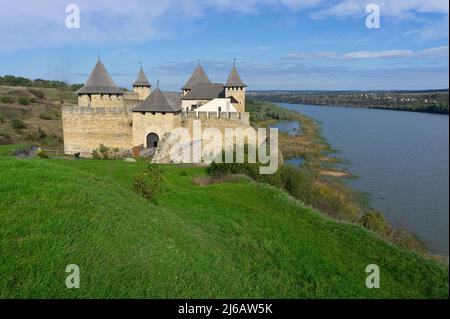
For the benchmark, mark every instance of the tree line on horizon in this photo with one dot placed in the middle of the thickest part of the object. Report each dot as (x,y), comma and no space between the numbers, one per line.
(429,102)
(12,80)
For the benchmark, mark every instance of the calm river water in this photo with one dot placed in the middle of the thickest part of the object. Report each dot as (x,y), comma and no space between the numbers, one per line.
(401,160)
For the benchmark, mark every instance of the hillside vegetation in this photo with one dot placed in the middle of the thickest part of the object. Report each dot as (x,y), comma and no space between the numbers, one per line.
(233,238)
(32,115)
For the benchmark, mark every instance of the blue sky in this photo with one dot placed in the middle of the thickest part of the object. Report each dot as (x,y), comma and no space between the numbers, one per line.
(278,44)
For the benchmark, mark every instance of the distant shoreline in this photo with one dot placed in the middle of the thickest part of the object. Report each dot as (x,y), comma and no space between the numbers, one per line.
(430,101)
(368,107)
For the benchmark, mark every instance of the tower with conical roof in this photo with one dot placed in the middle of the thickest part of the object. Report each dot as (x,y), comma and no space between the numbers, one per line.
(99,89)
(198,77)
(236,88)
(142,85)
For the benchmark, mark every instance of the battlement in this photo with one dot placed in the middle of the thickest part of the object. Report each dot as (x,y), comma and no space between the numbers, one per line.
(95,110)
(130,95)
(239,117)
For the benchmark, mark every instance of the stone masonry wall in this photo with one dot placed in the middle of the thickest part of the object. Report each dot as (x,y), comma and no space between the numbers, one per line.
(85,128)
(239,94)
(100,100)
(158,123)
(207,120)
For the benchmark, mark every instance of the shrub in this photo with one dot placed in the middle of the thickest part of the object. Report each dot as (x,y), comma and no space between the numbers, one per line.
(42,133)
(104,152)
(18,124)
(4,138)
(23,101)
(33,100)
(6,100)
(376,222)
(249,169)
(42,154)
(38,93)
(149,182)
(49,114)
(2,119)
(298,183)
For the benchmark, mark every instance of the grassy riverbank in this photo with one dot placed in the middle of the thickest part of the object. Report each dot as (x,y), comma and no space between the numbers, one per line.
(226,239)
(321,183)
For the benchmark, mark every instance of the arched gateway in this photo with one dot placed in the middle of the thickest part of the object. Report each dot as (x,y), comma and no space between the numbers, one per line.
(152,140)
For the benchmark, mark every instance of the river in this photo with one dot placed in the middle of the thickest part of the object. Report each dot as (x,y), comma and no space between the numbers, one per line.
(401,160)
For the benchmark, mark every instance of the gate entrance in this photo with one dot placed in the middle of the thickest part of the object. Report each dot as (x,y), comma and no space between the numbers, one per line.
(152,140)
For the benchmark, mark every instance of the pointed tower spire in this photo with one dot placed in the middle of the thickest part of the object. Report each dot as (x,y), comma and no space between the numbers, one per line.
(199,76)
(99,82)
(234,79)
(141,79)
(142,85)
(236,88)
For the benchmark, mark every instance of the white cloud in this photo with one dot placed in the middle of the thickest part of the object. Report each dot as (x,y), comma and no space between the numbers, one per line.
(29,23)
(377,54)
(309,55)
(388,8)
(436,52)
(299,76)
(441,52)
(432,31)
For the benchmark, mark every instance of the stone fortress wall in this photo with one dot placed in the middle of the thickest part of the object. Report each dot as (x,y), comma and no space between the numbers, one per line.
(84,128)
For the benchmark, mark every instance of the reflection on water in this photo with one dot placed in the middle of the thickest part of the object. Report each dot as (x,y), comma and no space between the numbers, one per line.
(289,127)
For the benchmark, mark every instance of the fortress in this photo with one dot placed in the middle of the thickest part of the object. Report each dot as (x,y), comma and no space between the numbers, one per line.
(141,119)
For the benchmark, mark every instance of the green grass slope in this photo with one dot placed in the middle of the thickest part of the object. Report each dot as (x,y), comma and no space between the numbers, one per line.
(234,239)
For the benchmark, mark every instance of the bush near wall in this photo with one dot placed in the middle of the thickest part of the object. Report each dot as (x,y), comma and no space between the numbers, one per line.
(104,152)
(149,182)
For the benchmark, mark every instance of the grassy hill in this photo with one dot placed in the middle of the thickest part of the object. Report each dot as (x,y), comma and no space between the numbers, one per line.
(229,239)
(32,115)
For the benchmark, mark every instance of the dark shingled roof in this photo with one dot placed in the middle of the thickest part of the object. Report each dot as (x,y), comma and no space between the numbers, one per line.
(99,82)
(199,76)
(205,91)
(174,99)
(234,79)
(160,102)
(141,79)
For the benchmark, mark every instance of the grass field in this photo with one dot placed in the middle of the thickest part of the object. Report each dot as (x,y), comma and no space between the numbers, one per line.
(232,239)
